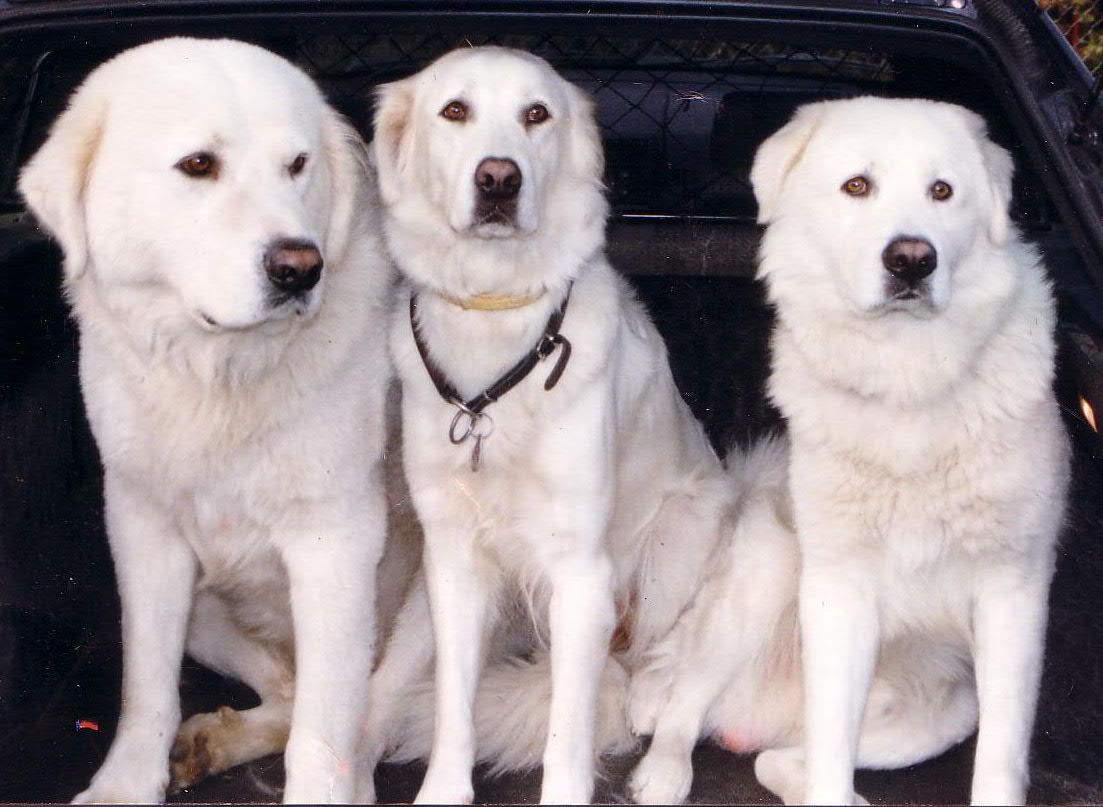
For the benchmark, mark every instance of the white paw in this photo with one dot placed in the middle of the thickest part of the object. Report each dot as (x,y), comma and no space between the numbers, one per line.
(647,696)
(661,779)
(781,771)
(135,772)
(321,787)
(122,791)
(998,792)
(575,789)
(821,797)
(445,789)
(365,785)
(317,773)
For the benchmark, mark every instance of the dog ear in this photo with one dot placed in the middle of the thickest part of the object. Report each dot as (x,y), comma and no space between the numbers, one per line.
(586,153)
(346,158)
(778,156)
(392,142)
(53,181)
(1000,168)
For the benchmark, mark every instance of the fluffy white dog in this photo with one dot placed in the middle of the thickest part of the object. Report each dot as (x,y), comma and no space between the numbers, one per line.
(913,359)
(547,449)
(235,388)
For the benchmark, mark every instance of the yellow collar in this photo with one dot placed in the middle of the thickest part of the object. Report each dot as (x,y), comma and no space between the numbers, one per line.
(492,302)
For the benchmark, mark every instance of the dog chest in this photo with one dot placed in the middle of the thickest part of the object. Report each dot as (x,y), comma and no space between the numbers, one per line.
(240,564)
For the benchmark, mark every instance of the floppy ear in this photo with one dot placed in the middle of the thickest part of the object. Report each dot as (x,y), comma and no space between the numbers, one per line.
(1000,168)
(54,180)
(392,143)
(586,154)
(346,158)
(778,156)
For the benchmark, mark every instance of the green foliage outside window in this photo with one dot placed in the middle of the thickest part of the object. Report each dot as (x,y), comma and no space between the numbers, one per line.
(1081,21)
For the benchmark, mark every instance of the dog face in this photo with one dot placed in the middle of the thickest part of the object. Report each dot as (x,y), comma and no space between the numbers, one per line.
(889,196)
(210,175)
(482,142)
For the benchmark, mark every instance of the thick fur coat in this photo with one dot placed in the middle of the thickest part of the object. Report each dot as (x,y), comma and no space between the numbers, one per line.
(240,424)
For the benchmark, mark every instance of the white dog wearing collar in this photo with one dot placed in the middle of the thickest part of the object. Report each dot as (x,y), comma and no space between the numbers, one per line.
(596,497)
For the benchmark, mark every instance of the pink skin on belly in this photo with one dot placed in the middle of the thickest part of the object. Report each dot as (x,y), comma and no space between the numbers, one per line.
(738,742)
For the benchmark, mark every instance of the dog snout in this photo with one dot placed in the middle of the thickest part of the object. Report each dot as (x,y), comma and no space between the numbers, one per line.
(910,259)
(498,178)
(293,266)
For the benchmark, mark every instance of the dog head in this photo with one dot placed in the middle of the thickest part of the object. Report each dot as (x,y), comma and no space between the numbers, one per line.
(882,203)
(210,175)
(489,152)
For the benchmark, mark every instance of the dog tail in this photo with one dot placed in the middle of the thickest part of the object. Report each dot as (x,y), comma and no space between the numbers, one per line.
(511,715)
(760,471)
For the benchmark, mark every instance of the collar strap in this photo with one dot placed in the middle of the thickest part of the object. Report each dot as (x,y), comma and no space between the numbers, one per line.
(549,341)
(492,302)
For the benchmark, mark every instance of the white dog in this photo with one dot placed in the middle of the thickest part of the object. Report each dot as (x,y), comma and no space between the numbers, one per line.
(587,485)
(913,359)
(235,388)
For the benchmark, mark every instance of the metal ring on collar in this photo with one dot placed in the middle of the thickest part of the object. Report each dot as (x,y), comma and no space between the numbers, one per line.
(472,419)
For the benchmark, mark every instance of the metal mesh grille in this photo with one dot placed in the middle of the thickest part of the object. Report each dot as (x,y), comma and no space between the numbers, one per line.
(680,118)
(1081,21)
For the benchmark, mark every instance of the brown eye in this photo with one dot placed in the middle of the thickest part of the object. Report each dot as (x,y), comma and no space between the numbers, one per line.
(297,165)
(856,186)
(455,111)
(941,191)
(201,165)
(536,114)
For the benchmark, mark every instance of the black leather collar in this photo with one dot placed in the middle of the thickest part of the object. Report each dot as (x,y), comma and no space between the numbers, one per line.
(549,341)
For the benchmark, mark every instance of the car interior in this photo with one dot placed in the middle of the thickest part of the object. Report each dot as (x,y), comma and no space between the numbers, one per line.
(682,107)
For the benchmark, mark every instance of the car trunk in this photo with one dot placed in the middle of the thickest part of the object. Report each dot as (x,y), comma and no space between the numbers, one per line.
(685,93)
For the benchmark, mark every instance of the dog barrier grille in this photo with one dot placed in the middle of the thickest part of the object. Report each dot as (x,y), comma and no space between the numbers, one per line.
(679,118)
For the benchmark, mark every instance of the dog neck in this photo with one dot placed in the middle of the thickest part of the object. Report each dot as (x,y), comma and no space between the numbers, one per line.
(492,302)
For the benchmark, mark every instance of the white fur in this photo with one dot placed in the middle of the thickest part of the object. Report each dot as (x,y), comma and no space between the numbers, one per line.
(927,475)
(240,456)
(597,498)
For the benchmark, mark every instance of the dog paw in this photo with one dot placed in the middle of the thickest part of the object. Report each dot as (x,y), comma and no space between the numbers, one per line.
(197,752)
(125,793)
(134,772)
(121,788)
(661,779)
(647,695)
(569,789)
(365,789)
(438,789)
(781,771)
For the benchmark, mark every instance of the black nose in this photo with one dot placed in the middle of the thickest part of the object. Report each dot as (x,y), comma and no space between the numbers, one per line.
(293,266)
(498,178)
(910,259)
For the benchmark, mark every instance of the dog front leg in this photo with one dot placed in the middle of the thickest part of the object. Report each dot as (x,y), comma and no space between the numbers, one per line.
(581,617)
(1009,622)
(573,506)
(331,571)
(407,656)
(458,598)
(839,634)
(155,569)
